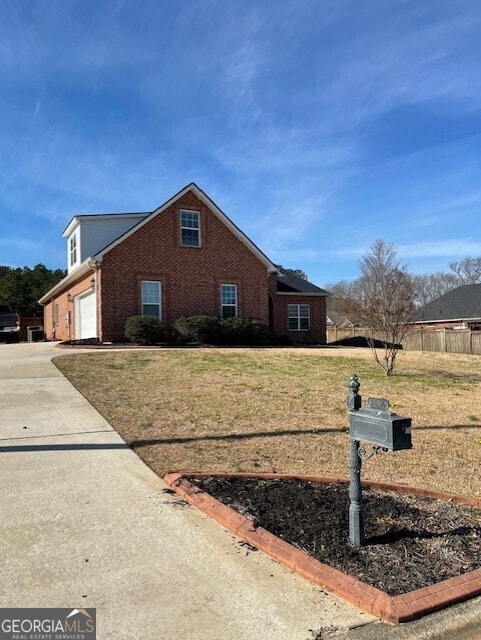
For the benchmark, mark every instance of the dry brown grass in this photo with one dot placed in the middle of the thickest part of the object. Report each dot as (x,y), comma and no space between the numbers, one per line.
(284,410)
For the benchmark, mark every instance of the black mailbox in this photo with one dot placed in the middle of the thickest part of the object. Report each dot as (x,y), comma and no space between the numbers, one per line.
(380,427)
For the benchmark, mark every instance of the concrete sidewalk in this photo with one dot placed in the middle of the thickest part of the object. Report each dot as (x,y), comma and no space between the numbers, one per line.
(84,523)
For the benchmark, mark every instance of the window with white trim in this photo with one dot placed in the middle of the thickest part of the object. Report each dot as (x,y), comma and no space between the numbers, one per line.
(189,228)
(151,298)
(299,317)
(228,300)
(73,249)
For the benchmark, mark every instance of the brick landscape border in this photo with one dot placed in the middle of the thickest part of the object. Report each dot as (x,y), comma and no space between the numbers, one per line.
(395,609)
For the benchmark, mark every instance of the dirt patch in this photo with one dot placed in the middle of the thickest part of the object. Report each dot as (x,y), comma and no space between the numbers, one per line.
(412,541)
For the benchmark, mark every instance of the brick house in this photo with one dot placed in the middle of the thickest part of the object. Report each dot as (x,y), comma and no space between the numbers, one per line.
(457,309)
(185,258)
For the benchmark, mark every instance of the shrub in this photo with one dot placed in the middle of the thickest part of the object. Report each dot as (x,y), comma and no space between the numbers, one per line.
(243,331)
(173,337)
(280,341)
(204,329)
(145,330)
(222,331)
(307,337)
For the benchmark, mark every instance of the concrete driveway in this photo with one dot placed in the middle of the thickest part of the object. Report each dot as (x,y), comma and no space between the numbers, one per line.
(84,523)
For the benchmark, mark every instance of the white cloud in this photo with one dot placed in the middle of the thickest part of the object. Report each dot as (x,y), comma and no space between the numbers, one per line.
(36,111)
(290,223)
(454,248)
(283,150)
(393,61)
(432,213)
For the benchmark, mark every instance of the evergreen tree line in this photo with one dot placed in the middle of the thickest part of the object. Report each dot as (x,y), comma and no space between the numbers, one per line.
(22,287)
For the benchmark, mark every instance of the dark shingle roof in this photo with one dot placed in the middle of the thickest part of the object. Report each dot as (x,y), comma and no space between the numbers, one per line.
(463,303)
(335,319)
(288,283)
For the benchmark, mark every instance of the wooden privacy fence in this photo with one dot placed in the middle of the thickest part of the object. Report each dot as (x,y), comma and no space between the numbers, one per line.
(333,334)
(440,340)
(445,341)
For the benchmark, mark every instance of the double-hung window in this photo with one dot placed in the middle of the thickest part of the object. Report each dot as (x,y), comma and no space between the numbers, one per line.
(151,298)
(73,249)
(189,228)
(299,317)
(228,300)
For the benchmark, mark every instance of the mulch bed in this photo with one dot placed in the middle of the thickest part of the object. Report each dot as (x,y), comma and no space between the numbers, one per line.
(411,541)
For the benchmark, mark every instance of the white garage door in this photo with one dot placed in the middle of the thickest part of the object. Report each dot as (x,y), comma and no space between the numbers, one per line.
(86,317)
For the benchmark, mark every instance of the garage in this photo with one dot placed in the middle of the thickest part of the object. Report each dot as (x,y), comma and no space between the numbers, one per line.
(86,316)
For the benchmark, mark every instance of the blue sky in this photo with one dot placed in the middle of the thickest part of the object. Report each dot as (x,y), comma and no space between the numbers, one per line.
(316,125)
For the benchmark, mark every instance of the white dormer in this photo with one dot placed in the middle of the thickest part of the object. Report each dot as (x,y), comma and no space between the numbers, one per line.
(73,249)
(88,234)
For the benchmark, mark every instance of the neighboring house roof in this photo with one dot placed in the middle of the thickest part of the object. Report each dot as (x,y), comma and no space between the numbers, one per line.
(335,319)
(287,283)
(462,303)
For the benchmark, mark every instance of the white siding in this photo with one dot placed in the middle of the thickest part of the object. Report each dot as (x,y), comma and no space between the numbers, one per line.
(75,235)
(97,232)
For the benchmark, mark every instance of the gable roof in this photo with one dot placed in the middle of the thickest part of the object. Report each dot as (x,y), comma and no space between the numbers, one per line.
(335,319)
(288,283)
(91,262)
(212,206)
(101,216)
(462,303)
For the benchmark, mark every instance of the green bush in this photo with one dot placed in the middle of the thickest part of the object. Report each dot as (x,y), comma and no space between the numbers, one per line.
(243,331)
(173,337)
(222,331)
(280,341)
(145,330)
(204,329)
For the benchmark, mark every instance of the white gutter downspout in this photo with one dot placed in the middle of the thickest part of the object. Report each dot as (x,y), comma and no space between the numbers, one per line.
(94,264)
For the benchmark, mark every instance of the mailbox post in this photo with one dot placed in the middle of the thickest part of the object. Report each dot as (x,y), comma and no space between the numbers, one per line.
(356,513)
(385,431)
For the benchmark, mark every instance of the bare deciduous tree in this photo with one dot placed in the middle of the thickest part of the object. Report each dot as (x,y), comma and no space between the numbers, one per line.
(429,286)
(341,295)
(467,270)
(384,301)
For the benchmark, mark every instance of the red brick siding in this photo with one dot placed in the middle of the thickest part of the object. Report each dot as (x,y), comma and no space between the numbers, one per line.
(63,330)
(446,325)
(190,276)
(317,332)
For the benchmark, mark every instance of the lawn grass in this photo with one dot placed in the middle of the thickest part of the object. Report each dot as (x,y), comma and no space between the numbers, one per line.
(284,410)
